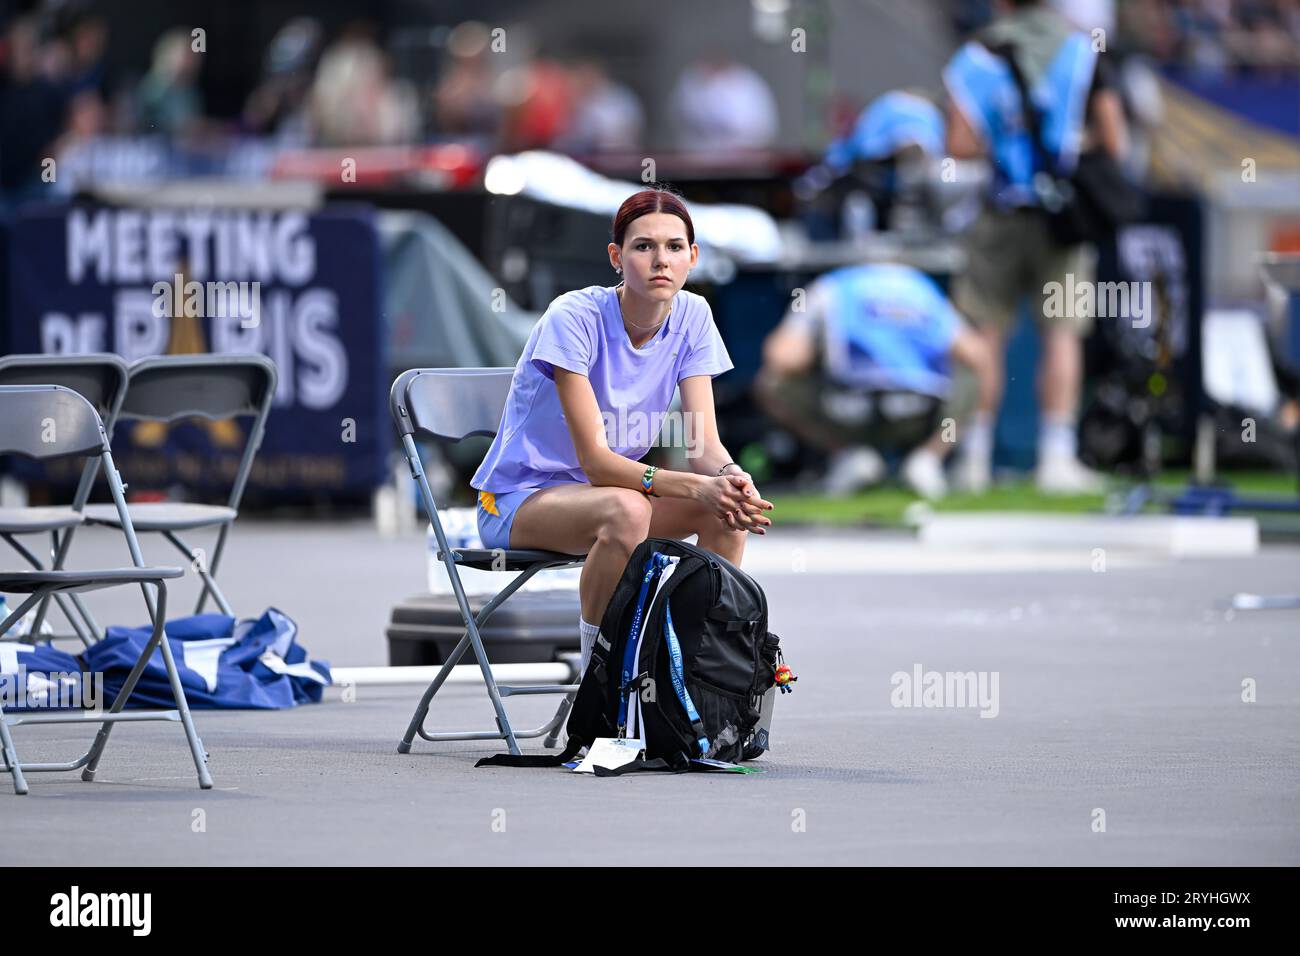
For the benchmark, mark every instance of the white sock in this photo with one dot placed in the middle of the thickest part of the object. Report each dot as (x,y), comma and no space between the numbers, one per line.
(977,436)
(1056,436)
(589,634)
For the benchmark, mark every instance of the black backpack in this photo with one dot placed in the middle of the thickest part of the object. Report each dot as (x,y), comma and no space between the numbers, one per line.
(684,661)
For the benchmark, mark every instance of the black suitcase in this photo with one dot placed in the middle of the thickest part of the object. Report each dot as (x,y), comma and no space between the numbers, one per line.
(530,627)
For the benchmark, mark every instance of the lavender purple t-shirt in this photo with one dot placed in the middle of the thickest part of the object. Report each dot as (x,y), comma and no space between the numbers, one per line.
(582,331)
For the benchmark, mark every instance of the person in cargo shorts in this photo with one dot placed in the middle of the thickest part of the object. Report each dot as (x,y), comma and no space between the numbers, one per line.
(588,397)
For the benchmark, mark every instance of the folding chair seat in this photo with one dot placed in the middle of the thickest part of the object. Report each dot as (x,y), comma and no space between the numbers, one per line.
(455,404)
(29,520)
(101,380)
(45,422)
(29,582)
(168,388)
(164,515)
(514,559)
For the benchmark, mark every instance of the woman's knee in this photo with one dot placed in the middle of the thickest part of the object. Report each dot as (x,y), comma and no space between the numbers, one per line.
(624,518)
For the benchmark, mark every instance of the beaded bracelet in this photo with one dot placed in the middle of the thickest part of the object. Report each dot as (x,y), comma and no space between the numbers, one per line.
(648,481)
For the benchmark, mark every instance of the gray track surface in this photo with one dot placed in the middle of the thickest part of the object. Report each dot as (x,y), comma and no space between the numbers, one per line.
(1118,690)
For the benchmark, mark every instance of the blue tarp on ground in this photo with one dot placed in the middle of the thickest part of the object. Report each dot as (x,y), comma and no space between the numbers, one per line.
(250,664)
(38,677)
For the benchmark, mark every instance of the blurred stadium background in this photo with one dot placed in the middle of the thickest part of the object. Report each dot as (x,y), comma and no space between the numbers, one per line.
(413,185)
(411,182)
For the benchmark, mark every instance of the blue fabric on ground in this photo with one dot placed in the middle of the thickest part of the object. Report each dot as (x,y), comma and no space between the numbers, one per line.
(252,664)
(38,677)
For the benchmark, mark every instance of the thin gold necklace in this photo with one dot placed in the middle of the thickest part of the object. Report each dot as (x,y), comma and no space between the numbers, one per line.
(619,292)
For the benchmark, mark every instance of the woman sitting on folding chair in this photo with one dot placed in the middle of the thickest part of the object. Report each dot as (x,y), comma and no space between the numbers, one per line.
(589,393)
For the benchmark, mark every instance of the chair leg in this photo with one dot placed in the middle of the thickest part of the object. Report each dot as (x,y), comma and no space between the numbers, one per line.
(205,574)
(157,639)
(94,631)
(562,712)
(503,721)
(56,562)
(211,585)
(421,711)
(212,570)
(10,753)
(196,746)
(11,756)
(124,694)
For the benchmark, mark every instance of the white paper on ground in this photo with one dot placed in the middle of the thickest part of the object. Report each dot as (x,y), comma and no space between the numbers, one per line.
(610,753)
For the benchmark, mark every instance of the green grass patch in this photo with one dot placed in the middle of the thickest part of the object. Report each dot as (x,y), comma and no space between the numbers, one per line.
(885,505)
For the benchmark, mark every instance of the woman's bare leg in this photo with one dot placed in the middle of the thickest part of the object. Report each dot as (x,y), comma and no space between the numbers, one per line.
(680,518)
(604,523)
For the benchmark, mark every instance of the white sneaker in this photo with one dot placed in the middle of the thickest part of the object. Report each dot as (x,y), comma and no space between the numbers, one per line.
(851,470)
(972,474)
(922,471)
(1064,475)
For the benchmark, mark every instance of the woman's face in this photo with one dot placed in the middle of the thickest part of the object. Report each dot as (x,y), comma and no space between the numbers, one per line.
(655,256)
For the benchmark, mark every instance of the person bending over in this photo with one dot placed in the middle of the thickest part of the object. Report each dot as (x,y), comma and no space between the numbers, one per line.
(862,364)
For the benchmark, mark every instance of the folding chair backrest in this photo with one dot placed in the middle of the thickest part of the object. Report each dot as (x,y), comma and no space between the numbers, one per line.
(168,387)
(48,421)
(99,378)
(451,403)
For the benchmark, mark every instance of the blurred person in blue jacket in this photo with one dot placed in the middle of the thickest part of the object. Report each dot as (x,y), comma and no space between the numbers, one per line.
(863,363)
(1012,254)
(877,176)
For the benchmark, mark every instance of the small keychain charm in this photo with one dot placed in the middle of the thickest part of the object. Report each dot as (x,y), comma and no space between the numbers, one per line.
(784,678)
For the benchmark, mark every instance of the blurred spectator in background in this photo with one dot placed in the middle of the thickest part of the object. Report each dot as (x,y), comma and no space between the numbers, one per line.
(278,108)
(537,100)
(719,106)
(354,99)
(32,110)
(168,100)
(607,116)
(1201,36)
(865,366)
(1011,252)
(465,103)
(1215,36)
(74,53)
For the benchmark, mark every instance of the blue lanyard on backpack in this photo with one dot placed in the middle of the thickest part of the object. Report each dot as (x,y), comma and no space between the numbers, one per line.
(653,565)
(679,677)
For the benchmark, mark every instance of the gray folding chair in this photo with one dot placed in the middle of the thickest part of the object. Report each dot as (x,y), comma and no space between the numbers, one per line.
(45,422)
(454,404)
(170,387)
(101,380)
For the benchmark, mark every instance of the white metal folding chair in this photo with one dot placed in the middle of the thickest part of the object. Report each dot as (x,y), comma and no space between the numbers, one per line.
(100,379)
(454,404)
(45,422)
(171,387)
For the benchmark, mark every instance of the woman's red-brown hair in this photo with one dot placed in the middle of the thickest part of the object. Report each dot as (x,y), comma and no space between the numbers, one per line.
(647,201)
